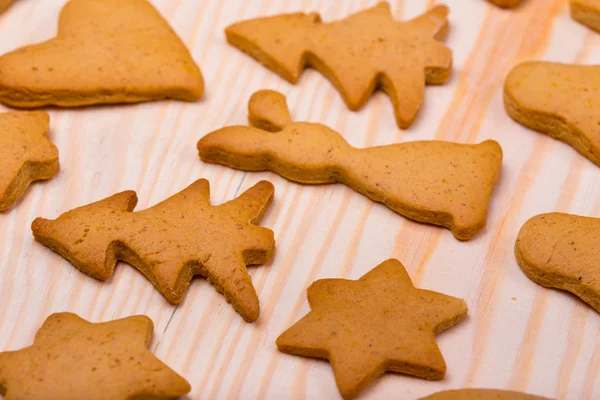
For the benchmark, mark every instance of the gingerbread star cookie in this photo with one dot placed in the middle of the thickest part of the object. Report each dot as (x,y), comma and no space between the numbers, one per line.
(561,251)
(378,323)
(560,100)
(106,51)
(365,51)
(26,154)
(506,3)
(170,242)
(73,359)
(586,12)
(435,182)
(482,394)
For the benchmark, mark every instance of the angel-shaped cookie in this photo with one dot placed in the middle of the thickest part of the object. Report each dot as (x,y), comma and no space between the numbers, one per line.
(435,182)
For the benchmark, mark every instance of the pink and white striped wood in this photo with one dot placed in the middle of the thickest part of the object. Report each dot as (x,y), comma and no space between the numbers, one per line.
(518,335)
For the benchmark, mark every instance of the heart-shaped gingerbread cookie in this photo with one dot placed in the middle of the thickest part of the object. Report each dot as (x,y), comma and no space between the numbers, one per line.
(106,51)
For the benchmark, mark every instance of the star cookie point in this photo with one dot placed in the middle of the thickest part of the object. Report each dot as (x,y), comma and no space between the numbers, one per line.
(26,154)
(72,358)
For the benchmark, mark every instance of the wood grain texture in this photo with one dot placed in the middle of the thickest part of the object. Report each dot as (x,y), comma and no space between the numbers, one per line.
(518,335)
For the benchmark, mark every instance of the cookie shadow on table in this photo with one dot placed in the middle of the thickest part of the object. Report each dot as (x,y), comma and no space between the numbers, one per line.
(121,266)
(371,391)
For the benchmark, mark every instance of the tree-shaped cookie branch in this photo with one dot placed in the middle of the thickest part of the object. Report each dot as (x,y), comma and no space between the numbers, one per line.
(358,54)
(435,182)
(170,242)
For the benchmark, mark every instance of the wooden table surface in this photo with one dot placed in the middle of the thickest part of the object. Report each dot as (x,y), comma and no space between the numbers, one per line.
(518,335)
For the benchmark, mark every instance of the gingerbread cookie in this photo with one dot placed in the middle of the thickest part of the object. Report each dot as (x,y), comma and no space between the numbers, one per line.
(481,394)
(506,3)
(435,182)
(4,4)
(378,323)
(73,359)
(26,154)
(561,251)
(106,51)
(560,100)
(170,242)
(586,12)
(365,51)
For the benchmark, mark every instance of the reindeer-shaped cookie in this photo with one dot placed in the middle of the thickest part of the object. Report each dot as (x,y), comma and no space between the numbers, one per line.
(435,182)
